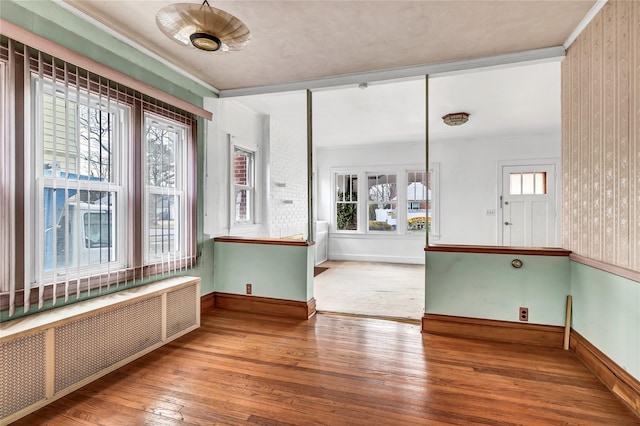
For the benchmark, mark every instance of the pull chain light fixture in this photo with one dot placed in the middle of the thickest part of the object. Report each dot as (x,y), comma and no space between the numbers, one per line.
(203,27)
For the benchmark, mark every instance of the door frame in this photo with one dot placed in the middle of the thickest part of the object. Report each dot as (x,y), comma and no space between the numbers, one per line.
(556,162)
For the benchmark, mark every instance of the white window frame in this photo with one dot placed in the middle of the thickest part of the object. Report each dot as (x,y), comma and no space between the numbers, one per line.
(36,276)
(256,210)
(7,251)
(434,168)
(396,202)
(334,201)
(179,190)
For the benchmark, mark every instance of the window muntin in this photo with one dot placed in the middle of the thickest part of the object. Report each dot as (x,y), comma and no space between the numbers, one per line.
(78,145)
(165,185)
(382,211)
(346,202)
(244,185)
(419,214)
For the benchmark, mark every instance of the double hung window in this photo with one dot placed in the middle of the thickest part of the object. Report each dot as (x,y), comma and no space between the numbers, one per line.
(99,188)
(165,179)
(243,170)
(382,202)
(79,185)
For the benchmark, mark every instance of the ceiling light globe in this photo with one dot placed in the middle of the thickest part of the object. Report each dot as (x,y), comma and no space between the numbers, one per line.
(205,41)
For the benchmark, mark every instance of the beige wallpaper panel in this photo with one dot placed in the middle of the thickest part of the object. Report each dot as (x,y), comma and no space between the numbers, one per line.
(601,138)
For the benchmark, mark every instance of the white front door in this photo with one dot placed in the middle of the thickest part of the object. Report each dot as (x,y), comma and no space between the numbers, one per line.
(529,205)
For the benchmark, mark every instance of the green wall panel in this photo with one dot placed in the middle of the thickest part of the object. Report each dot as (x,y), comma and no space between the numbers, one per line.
(606,312)
(281,272)
(487,286)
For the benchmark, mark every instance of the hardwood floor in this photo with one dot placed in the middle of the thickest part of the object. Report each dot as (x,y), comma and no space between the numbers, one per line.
(335,370)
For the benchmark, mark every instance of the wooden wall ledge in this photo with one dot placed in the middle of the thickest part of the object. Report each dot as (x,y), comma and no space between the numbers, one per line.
(534,251)
(607,267)
(267,241)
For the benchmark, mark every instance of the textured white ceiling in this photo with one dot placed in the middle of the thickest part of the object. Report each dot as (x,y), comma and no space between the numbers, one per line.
(301,40)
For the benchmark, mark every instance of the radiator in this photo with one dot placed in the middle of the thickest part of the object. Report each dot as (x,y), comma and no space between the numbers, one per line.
(50,354)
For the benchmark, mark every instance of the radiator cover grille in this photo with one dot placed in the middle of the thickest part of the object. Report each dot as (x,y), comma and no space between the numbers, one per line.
(180,312)
(22,373)
(91,344)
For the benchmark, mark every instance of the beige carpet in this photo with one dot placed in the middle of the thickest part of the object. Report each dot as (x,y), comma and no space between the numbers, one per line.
(374,289)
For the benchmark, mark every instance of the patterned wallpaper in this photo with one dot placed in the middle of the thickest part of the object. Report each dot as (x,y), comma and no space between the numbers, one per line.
(601,138)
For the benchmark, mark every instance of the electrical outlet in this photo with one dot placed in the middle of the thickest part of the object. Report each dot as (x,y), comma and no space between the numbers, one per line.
(523,313)
(249,288)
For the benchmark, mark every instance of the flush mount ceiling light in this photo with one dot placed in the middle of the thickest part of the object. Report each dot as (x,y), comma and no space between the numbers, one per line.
(456,119)
(203,27)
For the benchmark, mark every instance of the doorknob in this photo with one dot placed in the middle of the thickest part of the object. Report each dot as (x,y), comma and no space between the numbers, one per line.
(508,223)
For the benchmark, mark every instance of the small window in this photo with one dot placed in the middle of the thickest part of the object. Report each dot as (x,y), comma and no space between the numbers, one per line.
(528,183)
(244,185)
(346,202)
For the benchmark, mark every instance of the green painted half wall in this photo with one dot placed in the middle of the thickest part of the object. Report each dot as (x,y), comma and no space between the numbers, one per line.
(280,272)
(606,312)
(487,286)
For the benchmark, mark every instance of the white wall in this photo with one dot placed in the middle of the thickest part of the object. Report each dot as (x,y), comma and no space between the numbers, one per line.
(281,142)
(469,182)
(229,117)
(468,187)
(288,178)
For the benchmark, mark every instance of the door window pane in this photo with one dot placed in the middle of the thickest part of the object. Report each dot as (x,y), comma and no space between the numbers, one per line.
(528,183)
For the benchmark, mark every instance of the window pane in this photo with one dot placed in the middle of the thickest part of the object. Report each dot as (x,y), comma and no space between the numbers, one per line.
(162,154)
(79,228)
(347,217)
(527,183)
(347,188)
(541,183)
(82,146)
(243,205)
(164,224)
(96,143)
(382,217)
(515,183)
(242,165)
(418,195)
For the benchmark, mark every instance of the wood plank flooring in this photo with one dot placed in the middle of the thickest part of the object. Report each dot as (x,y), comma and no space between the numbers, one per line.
(336,370)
